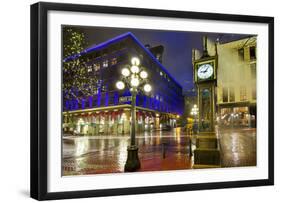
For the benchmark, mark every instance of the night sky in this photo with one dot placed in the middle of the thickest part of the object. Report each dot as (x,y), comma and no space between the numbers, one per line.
(178,45)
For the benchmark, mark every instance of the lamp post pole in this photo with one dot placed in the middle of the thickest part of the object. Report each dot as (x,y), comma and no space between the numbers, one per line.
(133,114)
(134,78)
(133,162)
(194,113)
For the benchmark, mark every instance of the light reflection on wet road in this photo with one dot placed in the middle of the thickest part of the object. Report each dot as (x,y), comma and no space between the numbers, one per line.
(107,154)
(238,147)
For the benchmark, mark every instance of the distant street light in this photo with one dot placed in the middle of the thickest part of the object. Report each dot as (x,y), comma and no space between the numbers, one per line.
(194,112)
(134,78)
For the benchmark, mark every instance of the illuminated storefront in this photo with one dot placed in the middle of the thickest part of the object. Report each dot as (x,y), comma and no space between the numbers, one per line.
(239,116)
(114,121)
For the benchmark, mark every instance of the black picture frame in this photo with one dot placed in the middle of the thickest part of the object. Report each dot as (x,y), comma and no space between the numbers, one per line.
(39,98)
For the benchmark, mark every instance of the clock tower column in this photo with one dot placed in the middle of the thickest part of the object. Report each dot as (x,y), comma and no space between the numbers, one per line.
(205,78)
(207,152)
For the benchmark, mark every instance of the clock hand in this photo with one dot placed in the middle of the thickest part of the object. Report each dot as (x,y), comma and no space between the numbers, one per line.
(204,71)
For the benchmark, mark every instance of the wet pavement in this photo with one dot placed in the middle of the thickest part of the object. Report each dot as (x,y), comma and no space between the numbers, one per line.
(166,150)
(238,147)
(107,154)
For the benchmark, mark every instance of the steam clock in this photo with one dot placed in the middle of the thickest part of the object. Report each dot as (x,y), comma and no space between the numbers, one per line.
(205,78)
(207,153)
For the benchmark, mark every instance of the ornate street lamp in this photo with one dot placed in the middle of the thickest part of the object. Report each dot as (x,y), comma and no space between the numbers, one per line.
(194,112)
(136,79)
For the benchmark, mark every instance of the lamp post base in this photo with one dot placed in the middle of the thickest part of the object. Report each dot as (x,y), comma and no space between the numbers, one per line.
(133,162)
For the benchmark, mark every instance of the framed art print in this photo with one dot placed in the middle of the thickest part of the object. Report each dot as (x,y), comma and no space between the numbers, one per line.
(131,101)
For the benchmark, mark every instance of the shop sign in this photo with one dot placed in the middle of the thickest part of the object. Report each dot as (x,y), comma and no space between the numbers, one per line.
(125,99)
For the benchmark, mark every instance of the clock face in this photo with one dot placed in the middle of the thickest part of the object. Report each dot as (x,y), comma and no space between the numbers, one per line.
(205,71)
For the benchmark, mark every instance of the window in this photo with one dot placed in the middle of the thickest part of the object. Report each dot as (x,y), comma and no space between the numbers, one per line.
(241,53)
(122,58)
(158,57)
(253,70)
(231,94)
(243,94)
(104,88)
(254,94)
(111,99)
(114,61)
(252,53)
(96,66)
(90,69)
(95,91)
(225,94)
(105,63)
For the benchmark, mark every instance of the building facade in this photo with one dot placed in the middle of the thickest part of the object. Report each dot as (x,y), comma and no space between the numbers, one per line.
(98,107)
(236,87)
